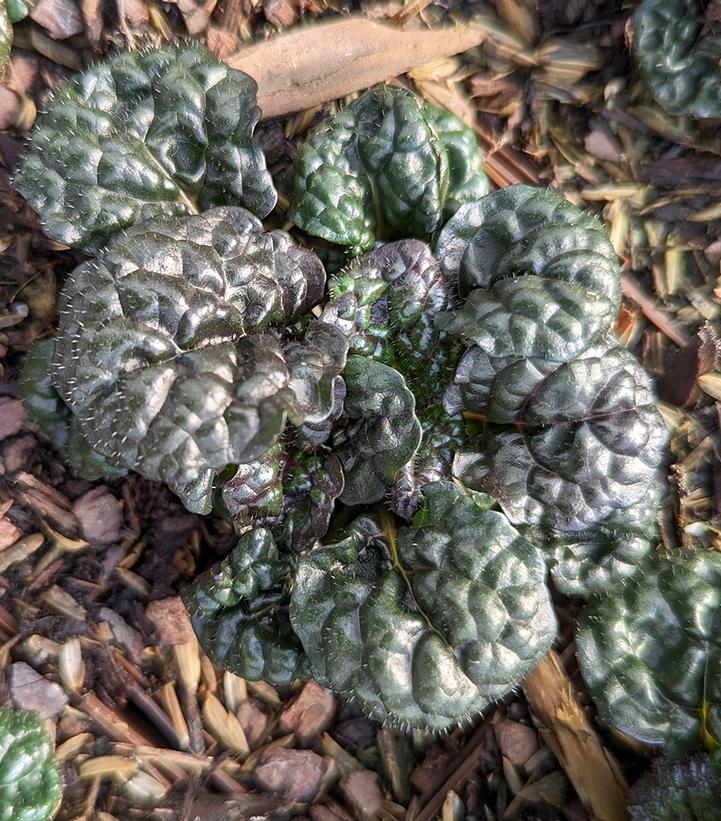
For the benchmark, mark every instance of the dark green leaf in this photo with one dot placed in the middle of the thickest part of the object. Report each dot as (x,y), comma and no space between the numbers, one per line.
(570,290)
(430,636)
(311,484)
(30,784)
(677,48)
(292,493)
(467,181)
(47,409)
(442,436)
(375,171)
(239,612)
(386,303)
(381,433)
(255,490)
(650,653)
(158,352)
(585,443)
(144,134)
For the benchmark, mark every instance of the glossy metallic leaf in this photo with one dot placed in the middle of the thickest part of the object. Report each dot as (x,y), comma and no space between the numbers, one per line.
(467,181)
(425,632)
(386,303)
(587,442)
(45,407)
(381,432)
(677,48)
(651,656)
(375,171)
(541,278)
(239,612)
(600,558)
(253,491)
(311,484)
(291,492)
(144,134)
(165,351)
(30,785)
(442,437)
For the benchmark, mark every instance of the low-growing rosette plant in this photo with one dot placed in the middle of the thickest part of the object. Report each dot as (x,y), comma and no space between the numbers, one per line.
(411,450)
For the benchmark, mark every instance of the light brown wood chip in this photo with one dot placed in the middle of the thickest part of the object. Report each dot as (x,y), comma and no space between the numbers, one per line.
(313,64)
(591,768)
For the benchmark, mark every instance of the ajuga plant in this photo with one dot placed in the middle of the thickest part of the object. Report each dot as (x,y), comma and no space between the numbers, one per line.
(30,784)
(677,46)
(405,450)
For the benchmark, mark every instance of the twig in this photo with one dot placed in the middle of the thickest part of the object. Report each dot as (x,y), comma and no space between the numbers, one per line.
(652,311)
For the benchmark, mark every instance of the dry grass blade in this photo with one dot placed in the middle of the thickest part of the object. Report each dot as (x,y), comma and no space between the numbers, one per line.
(327,61)
(590,767)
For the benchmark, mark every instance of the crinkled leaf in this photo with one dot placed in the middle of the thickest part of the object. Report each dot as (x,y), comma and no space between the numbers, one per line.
(651,656)
(598,559)
(673,790)
(377,170)
(158,352)
(30,785)
(570,290)
(311,484)
(42,402)
(332,194)
(254,491)
(386,303)
(587,442)
(309,435)
(197,494)
(381,433)
(292,493)
(313,367)
(239,612)
(442,436)
(677,48)
(430,639)
(467,181)
(141,135)
(45,407)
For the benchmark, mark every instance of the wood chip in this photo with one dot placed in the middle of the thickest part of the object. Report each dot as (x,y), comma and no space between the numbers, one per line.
(170,618)
(20,550)
(12,417)
(590,767)
(297,774)
(309,714)
(327,61)
(72,668)
(99,516)
(31,691)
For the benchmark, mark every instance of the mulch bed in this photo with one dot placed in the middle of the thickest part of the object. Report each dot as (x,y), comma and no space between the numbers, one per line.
(92,634)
